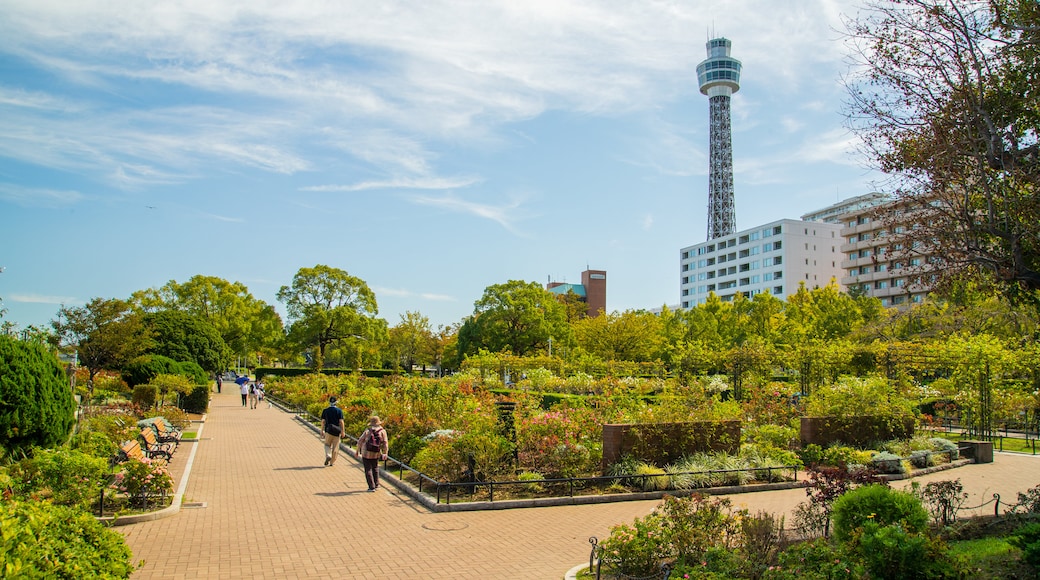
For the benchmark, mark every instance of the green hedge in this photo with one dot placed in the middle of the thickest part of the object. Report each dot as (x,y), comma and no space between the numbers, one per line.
(197,401)
(262,372)
(144,396)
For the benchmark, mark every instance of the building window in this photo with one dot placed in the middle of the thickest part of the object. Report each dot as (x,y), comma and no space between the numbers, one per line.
(778,260)
(778,274)
(685,267)
(685,255)
(745,253)
(711,261)
(754,236)
(711,275)
(745,281)
(767,277)
(754,265)
(731,270)
(777,245)
(745,267)
(744,239)
(767,232)
(701,276)
(686,280)
(778,290)
(776,231)
(685,292)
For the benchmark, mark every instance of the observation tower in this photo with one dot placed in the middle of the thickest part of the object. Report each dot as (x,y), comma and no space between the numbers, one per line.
(719,78)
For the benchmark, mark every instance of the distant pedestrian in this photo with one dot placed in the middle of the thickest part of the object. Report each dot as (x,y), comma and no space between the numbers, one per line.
(332,427)
(260,392)
(244,388)
(220,383)
(373,445)
(252,395)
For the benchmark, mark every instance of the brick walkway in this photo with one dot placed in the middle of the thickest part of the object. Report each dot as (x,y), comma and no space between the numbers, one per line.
(273,511)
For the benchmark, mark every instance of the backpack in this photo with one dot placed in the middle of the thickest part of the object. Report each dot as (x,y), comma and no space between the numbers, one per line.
(374,442)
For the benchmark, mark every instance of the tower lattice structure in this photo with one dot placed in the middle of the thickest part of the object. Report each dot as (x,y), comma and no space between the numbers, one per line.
(719,78)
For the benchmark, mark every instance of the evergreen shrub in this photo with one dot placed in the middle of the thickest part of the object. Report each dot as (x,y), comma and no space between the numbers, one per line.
(36,404)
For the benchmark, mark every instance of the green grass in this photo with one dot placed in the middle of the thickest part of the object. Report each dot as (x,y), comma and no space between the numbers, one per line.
(1013,444)
(189,435)
(990,558)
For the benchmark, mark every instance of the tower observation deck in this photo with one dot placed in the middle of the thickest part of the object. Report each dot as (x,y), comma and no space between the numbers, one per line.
(719,78)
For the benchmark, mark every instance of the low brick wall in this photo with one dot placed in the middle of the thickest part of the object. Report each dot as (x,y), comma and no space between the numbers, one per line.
(664,443)
(854,431)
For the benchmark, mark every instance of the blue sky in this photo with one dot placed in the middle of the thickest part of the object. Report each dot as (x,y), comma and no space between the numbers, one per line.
(430,148)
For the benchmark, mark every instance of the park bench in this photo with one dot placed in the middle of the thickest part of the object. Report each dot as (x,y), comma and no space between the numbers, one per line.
(132,450)
(165,434)
(153,447)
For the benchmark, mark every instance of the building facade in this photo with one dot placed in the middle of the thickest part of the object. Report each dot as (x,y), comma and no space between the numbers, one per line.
(773,257)
(592,291)
(881,260)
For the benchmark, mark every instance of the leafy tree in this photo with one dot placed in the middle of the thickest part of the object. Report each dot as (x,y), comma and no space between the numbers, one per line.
(517,316)
(107,333)
(630,336)
(412,341)
(245,323)
(184,337)
(146,367)
(328,306)
(36,405)
(164,384)
(946,100)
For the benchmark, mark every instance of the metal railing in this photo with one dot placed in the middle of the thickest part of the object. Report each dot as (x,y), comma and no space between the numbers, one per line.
(443,490)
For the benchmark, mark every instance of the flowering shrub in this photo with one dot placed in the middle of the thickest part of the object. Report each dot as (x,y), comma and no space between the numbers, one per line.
(559,443)
(636,550)
(142,480)
(64,476)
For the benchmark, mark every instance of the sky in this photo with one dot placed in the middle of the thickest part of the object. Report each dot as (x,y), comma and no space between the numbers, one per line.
(430,148)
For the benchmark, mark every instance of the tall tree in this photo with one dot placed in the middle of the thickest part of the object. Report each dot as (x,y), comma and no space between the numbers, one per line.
(625,336)
(185,337)
(412,341)
(245,323)
(328,306)
(946,99)
(517,316)
(107,333)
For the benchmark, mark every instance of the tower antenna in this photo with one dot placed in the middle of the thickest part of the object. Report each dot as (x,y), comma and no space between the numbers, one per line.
(719,78)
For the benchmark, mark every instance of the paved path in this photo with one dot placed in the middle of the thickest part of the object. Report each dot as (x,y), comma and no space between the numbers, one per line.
(273,511)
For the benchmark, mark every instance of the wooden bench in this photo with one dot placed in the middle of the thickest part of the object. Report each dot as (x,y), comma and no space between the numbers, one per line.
(153,447)
(132,450)
(166,435)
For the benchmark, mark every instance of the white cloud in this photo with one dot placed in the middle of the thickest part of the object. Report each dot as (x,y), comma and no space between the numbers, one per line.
(41,299)
(38,197)
(400,183)
(503,215)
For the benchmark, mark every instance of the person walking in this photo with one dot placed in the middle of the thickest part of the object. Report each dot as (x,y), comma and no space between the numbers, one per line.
(373,445)
(220,383)
(252,395)
(243,387)
(332,426)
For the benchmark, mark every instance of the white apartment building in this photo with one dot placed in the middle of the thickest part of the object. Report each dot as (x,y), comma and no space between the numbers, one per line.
(772,258)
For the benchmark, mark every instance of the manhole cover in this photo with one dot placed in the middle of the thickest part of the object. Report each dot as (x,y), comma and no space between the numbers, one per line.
(443,526)
(193,505)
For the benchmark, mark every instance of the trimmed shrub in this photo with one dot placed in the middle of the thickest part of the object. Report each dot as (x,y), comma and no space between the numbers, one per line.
(878,505)
(197,401)
(47,541)
(143,369)
(193,372)
(36,404)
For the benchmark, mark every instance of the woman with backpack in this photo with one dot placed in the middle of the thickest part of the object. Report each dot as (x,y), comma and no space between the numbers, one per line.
(373,445)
